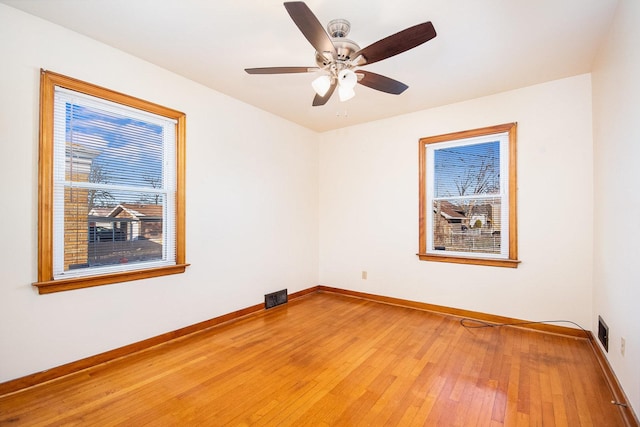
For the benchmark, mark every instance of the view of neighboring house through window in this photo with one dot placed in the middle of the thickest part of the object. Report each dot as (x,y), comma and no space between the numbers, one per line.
(467,197)
(114,187)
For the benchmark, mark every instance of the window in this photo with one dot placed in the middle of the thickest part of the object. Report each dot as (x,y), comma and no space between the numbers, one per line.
(111,187)
(468,197)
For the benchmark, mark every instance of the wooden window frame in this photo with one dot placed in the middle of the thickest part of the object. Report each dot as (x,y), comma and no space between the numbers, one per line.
(46,283)
(512,260)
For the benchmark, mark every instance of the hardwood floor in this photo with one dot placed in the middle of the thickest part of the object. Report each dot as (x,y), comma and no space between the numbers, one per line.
(328,359)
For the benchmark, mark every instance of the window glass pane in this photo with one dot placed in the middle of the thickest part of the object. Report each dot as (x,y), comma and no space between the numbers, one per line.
(126,233)
(467,225)
(465,170)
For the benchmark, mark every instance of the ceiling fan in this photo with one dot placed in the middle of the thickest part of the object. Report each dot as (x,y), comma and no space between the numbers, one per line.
(338,59)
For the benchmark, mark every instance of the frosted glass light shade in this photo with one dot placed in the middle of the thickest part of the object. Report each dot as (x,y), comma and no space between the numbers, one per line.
(347,78)
(321,85)
(345,93)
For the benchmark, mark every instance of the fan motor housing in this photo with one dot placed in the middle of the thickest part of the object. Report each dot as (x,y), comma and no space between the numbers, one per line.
(345,48)
(338,30)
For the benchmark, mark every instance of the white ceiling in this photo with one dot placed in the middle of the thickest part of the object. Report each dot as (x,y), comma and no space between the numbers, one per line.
(482,47)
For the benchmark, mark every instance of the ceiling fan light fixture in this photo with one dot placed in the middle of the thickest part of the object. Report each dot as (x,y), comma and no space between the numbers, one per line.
(321,85)
(345,93)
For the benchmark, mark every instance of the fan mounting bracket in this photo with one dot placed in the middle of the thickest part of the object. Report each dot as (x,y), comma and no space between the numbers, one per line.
(338,28)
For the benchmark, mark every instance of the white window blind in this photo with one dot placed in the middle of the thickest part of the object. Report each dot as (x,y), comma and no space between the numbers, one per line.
(114,187)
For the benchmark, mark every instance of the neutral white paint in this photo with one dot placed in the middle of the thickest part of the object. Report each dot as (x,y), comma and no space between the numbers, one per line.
(482,47)
(252,206)
(369,207)
(616,101)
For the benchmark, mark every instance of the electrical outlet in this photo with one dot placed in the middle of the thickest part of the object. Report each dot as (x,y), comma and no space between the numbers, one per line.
(364,275)
(623,345)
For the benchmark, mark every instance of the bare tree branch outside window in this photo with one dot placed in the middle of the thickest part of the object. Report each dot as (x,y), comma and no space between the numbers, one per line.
(101,198)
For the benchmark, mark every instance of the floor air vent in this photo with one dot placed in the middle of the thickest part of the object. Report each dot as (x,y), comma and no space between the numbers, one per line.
(603,333)
(275,298)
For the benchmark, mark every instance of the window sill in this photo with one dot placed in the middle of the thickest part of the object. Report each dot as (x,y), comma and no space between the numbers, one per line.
(51,286)
(492,262)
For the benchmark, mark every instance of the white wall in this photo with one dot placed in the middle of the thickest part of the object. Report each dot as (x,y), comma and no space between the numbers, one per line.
(369,207)
(616,106)
(252,206)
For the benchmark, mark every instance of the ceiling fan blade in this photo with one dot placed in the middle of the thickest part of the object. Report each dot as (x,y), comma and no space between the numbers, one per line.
(381,83)
(281,70)
(397,43)
(311,28)
(321,100)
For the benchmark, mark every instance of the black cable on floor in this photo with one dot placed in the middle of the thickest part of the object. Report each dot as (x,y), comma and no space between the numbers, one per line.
(464,322)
